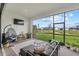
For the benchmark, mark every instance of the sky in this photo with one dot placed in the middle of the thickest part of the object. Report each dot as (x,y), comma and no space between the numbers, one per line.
(72,19)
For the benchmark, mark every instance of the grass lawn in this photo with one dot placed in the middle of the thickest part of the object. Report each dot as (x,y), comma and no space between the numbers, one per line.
(71,40)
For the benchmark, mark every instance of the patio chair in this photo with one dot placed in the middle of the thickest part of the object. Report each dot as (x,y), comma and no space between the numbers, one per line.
(54,43)
(55,51)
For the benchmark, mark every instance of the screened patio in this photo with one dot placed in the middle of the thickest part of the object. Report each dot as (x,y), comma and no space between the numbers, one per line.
(44,22)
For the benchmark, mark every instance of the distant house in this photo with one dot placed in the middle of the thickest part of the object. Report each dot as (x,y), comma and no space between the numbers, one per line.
(74,28)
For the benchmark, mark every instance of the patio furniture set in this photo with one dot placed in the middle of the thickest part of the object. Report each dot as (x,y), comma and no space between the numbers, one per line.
(40,49)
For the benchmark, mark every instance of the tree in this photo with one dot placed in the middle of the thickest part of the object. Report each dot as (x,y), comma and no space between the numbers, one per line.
(34,30)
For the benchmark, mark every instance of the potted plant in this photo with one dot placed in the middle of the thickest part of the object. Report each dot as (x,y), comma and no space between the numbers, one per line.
(6,44)
(5,41)
(61,43)
(28,35)
(74,47)
(68,46)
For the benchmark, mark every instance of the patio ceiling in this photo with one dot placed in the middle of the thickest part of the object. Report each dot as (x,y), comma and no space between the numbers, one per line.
(36,10)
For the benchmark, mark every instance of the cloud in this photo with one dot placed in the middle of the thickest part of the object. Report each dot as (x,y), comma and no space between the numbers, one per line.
(67,19)
(51,19)
(48,19)
(69,15)
(45,19)
(58,18)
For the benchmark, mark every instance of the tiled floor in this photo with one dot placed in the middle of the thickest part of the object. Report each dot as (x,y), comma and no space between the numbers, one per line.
(14,51)
(18,46)
(0,52)
(67,52)
(9,52)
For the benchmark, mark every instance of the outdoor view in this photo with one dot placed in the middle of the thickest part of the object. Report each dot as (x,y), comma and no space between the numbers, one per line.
(43,27)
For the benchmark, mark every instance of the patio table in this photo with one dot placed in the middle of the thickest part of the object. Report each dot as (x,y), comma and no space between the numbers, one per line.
(29,51)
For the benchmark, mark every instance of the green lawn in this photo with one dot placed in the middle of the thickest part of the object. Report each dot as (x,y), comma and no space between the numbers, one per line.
(71,40)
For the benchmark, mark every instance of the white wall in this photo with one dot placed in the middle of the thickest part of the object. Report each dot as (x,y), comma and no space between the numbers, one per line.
(7,18)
